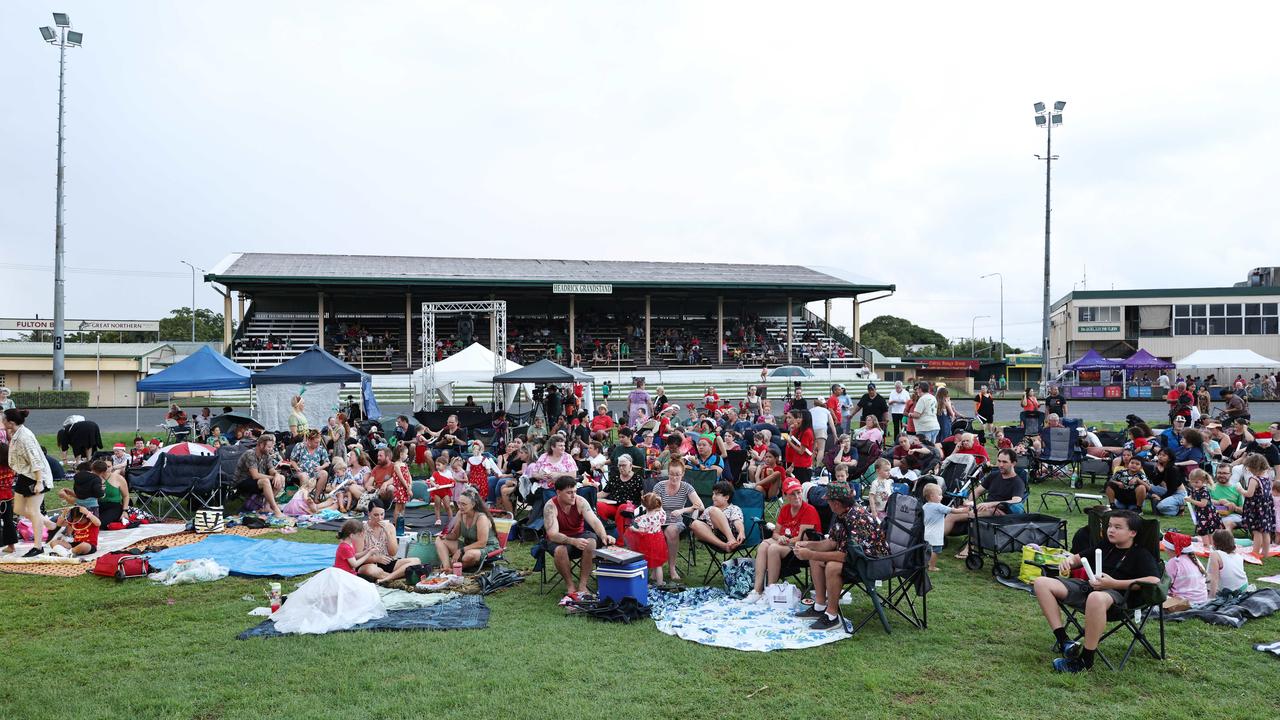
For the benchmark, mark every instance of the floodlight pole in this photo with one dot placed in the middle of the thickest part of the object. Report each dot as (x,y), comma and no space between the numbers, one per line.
(193,298)
(59,248)
(1048,174)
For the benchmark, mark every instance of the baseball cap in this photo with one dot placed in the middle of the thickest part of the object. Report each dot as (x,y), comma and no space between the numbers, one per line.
(790,486)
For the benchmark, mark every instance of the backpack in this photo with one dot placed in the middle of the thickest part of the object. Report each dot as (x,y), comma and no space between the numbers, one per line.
(739,576)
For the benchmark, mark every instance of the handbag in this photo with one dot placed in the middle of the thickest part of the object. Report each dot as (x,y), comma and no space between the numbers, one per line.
(782,596)
(739,576)
(209,520)
(121,566)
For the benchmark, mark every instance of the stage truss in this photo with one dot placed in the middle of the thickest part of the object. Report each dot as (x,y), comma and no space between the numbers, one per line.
(496,309)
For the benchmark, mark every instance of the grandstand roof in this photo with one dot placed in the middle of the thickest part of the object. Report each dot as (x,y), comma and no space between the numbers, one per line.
(262,269)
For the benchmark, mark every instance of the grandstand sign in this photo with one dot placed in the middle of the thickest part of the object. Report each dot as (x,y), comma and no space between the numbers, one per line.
(81,325)
(1098,328)
(582,289)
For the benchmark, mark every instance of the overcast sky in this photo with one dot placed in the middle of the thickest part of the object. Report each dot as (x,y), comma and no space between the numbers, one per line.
(893,141)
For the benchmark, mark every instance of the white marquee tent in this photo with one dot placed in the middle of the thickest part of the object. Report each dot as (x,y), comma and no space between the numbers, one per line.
(473,365)
(1226,359)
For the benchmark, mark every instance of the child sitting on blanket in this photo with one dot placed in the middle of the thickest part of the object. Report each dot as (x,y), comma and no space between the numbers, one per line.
(645,535)
(302,504)
(1188,580)
(343,478)
(1226,569)
(81,525)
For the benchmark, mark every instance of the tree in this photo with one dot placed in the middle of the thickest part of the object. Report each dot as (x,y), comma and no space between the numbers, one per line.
(886,345)
(904,331)
(178,325)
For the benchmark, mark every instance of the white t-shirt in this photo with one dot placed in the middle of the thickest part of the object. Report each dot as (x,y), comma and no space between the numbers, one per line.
(927,406)
(1232,576)
(898,401)
(821,418)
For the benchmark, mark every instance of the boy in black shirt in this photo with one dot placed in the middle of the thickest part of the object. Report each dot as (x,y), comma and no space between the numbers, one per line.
(1122,565)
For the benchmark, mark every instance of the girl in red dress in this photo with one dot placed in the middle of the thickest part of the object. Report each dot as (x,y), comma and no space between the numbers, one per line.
(645,536)
(441,484)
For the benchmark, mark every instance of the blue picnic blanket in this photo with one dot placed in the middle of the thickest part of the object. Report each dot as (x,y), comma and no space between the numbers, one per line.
(250,556)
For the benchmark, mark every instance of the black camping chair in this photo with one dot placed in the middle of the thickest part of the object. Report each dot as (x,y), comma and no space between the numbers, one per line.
(1143,601)
(903,573)
(1032,422)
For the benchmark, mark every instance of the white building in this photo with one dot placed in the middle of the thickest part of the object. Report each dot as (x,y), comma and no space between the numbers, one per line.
(1169,323)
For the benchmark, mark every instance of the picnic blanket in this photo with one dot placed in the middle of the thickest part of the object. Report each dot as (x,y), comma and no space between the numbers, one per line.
(108,541)
(708,616)
(466,612)
(415,518)
(1259,603)
(249,556)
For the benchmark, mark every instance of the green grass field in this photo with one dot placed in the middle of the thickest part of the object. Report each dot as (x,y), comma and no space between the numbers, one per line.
(91,648)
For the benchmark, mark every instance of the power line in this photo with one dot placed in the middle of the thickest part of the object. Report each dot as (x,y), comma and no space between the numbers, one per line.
(96,271)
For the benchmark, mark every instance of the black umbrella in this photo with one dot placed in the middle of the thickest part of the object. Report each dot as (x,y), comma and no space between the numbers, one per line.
(227,421)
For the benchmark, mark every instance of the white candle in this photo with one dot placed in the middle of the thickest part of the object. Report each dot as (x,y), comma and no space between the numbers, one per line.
(1097,561)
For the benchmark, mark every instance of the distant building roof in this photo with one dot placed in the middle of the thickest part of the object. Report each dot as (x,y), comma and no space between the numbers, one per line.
(306,269)
(1183,292)
(116,350)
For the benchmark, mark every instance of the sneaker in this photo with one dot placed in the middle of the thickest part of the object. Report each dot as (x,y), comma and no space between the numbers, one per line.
(1071,650)
(752,598)
(811,612)
(1068,665)
(33,552)
(826,622)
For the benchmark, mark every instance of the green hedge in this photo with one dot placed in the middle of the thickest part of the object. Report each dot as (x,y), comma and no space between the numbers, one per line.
(46,399)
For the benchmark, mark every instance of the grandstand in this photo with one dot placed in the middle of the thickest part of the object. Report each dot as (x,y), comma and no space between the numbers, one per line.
(615,315)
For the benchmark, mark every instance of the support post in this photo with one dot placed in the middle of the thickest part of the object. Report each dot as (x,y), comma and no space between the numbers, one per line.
(790,334)
(648,317)
(408,330)
(856,332)
(320,319)
(226,321)
(826,312)
(571,332)
(720,327)
(240,315)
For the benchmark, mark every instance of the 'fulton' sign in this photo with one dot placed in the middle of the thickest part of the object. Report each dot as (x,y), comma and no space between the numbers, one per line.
(81,325)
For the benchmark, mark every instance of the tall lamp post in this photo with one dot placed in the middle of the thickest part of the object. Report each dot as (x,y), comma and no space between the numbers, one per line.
(193,298)
(63,38)
(973,336)
(1001,278)
(1047,119)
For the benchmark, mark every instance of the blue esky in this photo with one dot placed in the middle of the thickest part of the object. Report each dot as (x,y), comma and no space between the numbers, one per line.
(893,141)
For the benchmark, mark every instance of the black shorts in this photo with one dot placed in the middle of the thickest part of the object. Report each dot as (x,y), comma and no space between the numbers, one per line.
(92,548)
(551,546)
(24,486)
(803,474)
(1078,592)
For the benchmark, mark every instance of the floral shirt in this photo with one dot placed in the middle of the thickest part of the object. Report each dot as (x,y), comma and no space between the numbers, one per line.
(309,461)
(860,526)
(1128,480)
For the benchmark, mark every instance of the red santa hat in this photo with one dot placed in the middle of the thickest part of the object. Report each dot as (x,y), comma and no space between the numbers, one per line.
(1263,438)
(118,446)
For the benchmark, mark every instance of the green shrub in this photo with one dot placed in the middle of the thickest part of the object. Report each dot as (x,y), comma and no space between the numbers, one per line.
(46,399)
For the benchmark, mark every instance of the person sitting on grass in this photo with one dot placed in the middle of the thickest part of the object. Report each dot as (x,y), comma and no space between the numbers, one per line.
(81,525)
(380,539)
(351,553)
(471,537)
(1226,568)
(1127,489)
(1004,489)
(721,525)
(257,474)
(566,520)
(1122,565)
(796,518)
(850,523)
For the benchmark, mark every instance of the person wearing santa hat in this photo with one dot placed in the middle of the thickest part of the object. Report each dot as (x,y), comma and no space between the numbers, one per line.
(120,458)
(1188,579)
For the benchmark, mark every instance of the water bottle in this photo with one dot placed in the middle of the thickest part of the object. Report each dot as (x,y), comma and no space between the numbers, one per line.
(400,526)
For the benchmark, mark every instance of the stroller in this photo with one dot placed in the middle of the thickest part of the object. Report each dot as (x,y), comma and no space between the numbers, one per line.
(991,536)
(956,477)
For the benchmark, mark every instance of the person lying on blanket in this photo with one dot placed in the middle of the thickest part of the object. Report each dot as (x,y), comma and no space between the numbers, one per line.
(1122,565)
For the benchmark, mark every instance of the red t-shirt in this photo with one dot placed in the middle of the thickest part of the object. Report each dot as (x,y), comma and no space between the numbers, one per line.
(6,483)
(799,458)
(789,525)
(833,404)
(601,423)
(978,451)
(83,531)
(342,561)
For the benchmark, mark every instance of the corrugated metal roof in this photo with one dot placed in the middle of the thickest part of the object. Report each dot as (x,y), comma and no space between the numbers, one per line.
(284,267)
(38,349)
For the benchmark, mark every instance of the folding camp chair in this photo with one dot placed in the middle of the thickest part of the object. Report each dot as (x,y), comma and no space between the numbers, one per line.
(496,556)
(1143,600)
(751,503)
(1060,451)
(902,575)
(1032,421)
(542,554)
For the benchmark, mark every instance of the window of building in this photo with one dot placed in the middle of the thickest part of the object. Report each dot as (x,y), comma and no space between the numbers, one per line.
(1100,314)
(1226,319)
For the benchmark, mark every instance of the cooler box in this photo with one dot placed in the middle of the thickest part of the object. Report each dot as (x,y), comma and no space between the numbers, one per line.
(629,580)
